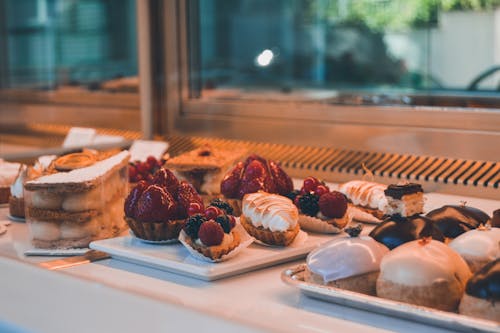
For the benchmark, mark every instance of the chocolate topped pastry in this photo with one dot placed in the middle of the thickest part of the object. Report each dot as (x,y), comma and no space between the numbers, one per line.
(495,219)
(398,230)
(405,199)
(454,220)
(398,191)
(482,293)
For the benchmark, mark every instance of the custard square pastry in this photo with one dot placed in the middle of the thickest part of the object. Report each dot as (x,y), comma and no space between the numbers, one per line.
(78,200)
(204,167)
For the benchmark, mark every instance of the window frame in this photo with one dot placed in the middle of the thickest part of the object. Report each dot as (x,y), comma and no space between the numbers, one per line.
(467,132)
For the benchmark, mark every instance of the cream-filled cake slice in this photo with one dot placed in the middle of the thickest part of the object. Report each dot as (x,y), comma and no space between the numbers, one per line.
(71,208)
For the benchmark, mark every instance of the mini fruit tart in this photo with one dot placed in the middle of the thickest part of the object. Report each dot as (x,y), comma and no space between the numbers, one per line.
(156,210)
(253,175)
(211,232)
(319,209)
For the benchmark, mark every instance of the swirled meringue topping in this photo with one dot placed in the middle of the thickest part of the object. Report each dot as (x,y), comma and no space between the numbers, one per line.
(270,211)
(366,194)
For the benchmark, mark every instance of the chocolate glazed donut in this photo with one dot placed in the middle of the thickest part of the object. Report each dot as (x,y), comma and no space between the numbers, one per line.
(485,283)
(398,230)
(455,220)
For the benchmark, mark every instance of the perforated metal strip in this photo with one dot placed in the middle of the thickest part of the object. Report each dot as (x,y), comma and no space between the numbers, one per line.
(302,161)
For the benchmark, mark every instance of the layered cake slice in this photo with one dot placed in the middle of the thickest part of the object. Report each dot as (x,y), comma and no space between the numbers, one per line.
(204,167)
(80,200)
(405,199)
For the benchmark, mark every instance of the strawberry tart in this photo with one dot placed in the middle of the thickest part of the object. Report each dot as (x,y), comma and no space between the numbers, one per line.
(253,175)
(156,210)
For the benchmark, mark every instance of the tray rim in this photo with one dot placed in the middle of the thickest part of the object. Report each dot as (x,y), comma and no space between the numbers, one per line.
(421,314)
(205,271)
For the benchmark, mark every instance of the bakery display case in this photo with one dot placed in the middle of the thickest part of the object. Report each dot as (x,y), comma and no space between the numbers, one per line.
(248,165)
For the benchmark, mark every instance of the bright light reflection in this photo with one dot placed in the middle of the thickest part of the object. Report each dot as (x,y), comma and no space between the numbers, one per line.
(265,58)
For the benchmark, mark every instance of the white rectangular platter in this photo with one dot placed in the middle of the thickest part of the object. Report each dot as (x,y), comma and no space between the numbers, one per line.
(294,277)
(176,259)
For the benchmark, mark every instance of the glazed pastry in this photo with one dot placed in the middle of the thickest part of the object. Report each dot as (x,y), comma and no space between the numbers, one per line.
(319,209)
(398,230)
(270,218)
(482,293)
(8,174)
(478,247)
(367,196)
(78,198)
(157,211)
(350,263)
(16,200)
(204,167)
(424,272)
(405,199)
(253,175)
(455,220)
(495,219)
(211,232)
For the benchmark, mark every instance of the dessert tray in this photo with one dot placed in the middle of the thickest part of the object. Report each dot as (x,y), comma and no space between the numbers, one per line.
(294,277)
(176,258)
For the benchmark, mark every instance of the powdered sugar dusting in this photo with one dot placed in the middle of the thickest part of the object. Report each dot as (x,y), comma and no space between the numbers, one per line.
(84,174)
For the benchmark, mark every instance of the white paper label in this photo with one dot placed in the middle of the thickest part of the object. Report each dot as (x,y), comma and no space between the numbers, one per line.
(141,149)
(79,137)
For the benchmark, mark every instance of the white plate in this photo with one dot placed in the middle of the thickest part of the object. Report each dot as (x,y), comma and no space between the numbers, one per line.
(294,277)
(16,218)
(163,242)
(177,259)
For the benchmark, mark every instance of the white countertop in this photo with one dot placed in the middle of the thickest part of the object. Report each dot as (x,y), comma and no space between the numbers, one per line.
(154,300)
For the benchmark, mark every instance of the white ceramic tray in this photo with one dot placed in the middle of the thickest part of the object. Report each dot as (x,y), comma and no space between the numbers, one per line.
(175,258)
(294,277)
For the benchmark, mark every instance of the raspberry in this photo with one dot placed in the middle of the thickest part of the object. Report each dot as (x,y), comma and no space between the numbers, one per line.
(308,204)
(193,224)
(185,196)
(221,204)
(211,233)
(333,204)
(224,222)
(212,212)
(310,184)
(133,197)
(321,189)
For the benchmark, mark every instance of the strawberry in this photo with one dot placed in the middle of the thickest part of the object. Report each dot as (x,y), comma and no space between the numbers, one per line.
(166,179)
(231,183)
(254,169)
(211,233)
(284,184)
(333,204)
(155,205)
(133,197)
(186,195)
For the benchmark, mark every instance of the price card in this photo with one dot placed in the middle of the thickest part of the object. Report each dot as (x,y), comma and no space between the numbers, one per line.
(141,149)
(79,137)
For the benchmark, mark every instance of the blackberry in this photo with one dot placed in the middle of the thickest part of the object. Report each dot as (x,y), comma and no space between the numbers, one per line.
(292,195)
(219,203)
(308,204)
(193,224)
(224,222)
